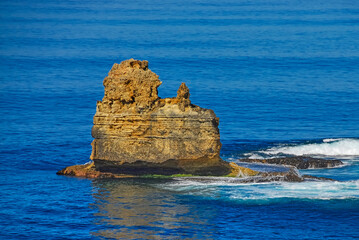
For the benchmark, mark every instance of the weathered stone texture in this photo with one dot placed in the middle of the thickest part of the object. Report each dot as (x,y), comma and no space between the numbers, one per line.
(137,132)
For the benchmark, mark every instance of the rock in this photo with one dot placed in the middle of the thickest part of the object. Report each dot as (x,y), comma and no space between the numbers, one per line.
(88,171)
(137,132)
(291,175)
(239,171)
(298,162)
(271,173)
(314,178)
(239,174)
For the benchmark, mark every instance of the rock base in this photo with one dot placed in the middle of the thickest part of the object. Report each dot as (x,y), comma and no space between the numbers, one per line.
(238,174)
(89,171)
(200,167)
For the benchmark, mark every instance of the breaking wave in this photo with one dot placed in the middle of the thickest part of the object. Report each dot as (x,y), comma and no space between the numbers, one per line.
(328,147)
(324,190)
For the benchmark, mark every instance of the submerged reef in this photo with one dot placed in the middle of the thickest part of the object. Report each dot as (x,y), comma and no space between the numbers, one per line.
(138,134)
(298,162)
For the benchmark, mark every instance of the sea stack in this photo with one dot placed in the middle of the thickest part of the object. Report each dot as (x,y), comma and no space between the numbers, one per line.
(136,132)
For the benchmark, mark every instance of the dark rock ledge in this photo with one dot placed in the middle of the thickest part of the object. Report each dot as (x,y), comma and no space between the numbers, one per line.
(298,162)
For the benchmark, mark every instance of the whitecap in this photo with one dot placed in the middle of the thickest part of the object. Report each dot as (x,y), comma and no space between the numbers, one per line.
(255,156)
(321,190)
(329,147)
(327,140)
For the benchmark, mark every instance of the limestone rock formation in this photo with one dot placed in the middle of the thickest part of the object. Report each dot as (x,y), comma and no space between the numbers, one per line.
(137,132)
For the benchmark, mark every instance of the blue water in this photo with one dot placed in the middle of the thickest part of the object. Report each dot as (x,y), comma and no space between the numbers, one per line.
(282,76)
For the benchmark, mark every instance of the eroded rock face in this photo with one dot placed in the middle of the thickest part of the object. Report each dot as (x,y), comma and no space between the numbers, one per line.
(137,132)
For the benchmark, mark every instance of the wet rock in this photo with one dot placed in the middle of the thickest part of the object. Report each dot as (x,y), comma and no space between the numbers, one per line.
(239,174)
(240,171)
(88,171)
(291,175)
(298,162)
(275,173)
(314,178)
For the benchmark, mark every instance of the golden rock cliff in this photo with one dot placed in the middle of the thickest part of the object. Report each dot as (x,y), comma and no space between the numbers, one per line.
(137,132)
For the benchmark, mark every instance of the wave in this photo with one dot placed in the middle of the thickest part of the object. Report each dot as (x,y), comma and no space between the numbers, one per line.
(321,190)
(328,147)
(306,190)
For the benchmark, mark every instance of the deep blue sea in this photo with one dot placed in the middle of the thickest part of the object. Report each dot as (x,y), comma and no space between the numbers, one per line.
(282,76)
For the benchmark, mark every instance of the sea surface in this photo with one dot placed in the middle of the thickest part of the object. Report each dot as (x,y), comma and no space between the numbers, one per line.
(282,76)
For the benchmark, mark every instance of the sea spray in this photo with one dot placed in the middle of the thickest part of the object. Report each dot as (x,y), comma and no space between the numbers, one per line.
(332,147)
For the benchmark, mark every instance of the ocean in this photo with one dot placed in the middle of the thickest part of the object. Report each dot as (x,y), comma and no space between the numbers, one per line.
(282,76)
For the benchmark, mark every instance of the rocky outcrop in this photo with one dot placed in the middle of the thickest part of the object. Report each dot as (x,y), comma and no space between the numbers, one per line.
(314,178)
(137,132)
(291,174)
(298,162)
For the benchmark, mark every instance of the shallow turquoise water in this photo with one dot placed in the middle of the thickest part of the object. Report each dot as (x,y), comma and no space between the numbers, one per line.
(283,77)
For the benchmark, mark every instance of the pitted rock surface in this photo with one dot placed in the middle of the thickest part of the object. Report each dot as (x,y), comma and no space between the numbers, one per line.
(137,132)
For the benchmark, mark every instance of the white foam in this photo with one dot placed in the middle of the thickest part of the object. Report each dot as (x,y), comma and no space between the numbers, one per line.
(268,191)
(331,139)
(255,156)
(329,147)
